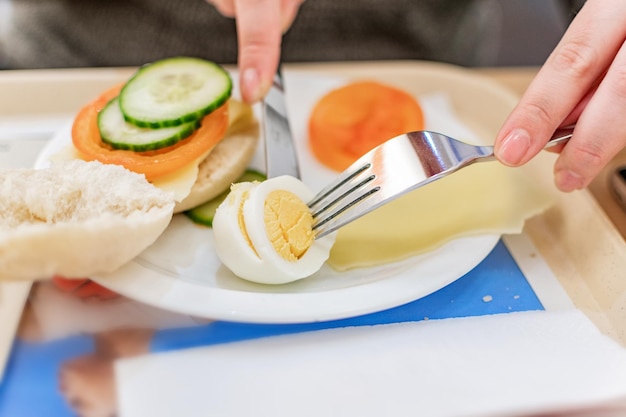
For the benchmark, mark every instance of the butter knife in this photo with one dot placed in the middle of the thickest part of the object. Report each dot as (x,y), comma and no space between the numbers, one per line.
(280,152)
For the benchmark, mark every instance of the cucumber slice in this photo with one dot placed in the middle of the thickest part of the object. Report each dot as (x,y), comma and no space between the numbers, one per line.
(174,91)
(120,134)
(204,213)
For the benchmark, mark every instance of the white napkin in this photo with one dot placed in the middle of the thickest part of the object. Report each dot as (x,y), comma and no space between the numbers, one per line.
(509,364)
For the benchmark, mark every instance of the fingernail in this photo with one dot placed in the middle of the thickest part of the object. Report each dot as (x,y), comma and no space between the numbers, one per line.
(567,180)
(514,147)
(250,85)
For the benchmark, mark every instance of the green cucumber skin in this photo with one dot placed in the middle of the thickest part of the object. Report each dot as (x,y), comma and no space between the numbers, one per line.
(124,143)
(204,213)
(216,102)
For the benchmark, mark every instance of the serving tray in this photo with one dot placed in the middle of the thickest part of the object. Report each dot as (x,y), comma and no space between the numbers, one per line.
(576,237)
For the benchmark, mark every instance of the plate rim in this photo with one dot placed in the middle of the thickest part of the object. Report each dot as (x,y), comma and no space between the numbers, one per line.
(270,307)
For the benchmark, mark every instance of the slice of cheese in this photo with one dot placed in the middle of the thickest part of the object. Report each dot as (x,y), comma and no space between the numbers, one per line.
(486,198)
(180,182)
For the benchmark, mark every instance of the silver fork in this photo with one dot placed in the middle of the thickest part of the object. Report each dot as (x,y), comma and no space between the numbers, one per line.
(399,165)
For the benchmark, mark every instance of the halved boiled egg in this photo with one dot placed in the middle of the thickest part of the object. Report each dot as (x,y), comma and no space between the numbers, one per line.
(263,232)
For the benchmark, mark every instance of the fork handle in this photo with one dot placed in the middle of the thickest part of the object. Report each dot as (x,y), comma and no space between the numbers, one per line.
(560,135)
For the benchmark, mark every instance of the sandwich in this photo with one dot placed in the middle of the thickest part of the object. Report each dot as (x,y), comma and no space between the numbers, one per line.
(167,140)
(175,122)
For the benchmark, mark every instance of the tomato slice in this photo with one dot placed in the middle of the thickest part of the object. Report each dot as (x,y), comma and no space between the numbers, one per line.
(353,119)
(153,164)
(83,288)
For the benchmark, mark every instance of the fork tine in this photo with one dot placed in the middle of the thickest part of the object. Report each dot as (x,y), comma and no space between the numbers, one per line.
(356,191)
(329,193)
(335,201)
(342,201)
(349,188)
(347,191)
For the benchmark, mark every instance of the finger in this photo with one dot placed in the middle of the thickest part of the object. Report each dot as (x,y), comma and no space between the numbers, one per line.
(580,107)
(573,117)
(289,11)
(600,132)
(580,58)
(259,33)
(225,7)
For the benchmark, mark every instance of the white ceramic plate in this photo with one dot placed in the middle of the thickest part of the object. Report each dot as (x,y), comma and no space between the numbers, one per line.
(181,272)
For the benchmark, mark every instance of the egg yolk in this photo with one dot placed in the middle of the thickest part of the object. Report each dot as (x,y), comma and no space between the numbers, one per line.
(289,224)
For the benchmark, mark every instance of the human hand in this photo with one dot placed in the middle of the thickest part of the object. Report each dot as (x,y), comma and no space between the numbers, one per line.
(583,82)
(260,26)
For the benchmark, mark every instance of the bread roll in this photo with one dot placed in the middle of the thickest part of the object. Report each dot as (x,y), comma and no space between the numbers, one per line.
(76,219)
(223,166)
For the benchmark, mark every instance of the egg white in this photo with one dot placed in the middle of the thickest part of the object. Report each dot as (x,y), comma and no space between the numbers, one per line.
(261,263)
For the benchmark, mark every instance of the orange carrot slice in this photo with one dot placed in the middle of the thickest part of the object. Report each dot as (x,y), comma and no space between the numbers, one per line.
(153,164)
(353,119)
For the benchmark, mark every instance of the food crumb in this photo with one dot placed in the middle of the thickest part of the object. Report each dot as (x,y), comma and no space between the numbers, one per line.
(516,297)
(487,298)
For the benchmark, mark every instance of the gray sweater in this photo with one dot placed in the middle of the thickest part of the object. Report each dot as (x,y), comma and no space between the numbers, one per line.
(101,33)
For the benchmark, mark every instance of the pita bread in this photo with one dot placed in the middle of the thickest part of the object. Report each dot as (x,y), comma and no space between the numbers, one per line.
(76,219)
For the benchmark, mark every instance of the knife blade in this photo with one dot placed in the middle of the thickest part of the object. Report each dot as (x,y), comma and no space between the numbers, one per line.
(280,152)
